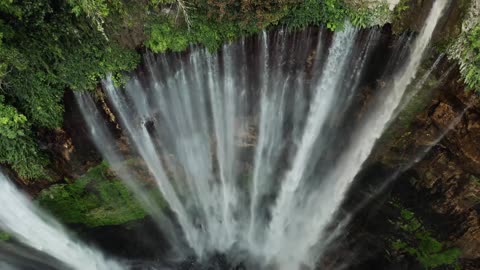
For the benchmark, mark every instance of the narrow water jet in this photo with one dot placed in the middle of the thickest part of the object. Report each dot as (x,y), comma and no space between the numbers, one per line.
(109,151)
(36,229)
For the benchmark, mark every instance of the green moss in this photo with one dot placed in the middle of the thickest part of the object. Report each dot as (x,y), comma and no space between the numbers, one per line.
(400,16)
(470,57)
(49,46)
(475,179)
(465,48)
(163,36)
(334,13)
(214,22)
(95,199)
(4,236)
(397,138)
(416,240)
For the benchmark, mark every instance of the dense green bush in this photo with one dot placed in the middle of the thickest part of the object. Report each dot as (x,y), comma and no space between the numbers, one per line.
(415,240)
(213,22)
(45,48)
(52,45)
(16,144)
(164,36)
(97,198)
(4,236)
(470,59)
(332,13)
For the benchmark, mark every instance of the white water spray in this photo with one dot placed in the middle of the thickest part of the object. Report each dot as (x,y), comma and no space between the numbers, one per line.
(34,228)
(197,121)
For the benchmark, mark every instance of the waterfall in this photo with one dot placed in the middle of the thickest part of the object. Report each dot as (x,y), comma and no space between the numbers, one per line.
(253,148)
(195,118)
(331,194)
(36,229)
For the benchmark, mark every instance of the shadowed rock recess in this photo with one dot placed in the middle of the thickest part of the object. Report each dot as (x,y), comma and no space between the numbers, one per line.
(281,140)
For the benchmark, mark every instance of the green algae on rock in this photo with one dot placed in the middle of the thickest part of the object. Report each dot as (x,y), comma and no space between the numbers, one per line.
(97,198)
(4,236)
(416,240)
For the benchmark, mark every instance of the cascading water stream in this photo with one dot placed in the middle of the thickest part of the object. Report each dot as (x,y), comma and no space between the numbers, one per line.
(337,181)
(253,153)
(103,139)
(186,115)
(34,228)
(323,100)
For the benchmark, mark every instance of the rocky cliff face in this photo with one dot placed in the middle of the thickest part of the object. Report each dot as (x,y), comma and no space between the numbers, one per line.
(430,158)
(438,152)
(438,171)
(450,172)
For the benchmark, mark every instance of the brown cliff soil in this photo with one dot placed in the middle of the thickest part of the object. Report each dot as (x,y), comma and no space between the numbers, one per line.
(447,178)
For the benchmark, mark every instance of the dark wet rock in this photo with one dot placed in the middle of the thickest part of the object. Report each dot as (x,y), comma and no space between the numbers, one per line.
(448,175)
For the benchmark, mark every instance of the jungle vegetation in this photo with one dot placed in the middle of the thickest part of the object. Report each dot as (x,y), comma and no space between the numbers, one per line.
(50,46)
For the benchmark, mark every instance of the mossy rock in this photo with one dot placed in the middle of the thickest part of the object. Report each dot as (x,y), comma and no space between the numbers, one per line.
(4,236)
(97,198)
(414,239)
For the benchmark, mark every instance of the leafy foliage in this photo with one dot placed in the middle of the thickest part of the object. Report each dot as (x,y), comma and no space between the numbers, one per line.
(16,146)
(63,52)
(470,59)
(464,46)
(401,16)
(331,13)
(164,36)
(211,23)
(45,48)
(215,21)
(52,45)
(418,242)
(12,123)
(95,199)
(96,10)
(4,236)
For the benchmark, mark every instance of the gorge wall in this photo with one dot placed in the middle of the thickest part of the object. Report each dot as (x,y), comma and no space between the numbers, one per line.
(442,189)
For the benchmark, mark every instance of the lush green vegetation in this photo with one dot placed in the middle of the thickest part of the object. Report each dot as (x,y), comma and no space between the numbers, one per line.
(211,23)
(464,47)
(470,59)
(17,146)
(95,199)
(4,236)
(415,239)
(49,46)
(45,48)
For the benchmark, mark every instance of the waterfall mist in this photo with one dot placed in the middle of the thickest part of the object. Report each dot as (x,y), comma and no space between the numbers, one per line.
(253,148)
(197,119)
(36,229)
